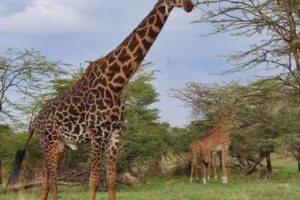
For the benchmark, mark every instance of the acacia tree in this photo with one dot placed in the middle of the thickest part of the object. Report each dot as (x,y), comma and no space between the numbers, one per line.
(264,115)
(275,25)
(208,101)
(24,76)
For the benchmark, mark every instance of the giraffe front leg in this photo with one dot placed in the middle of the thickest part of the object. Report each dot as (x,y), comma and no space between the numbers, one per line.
(209,168)
(111,164)
(214,166)
(97,149)
(224,163)
(192,170)
(52,166)
(204,171)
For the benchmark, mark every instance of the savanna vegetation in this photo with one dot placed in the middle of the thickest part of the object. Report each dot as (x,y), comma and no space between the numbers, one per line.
(154,160)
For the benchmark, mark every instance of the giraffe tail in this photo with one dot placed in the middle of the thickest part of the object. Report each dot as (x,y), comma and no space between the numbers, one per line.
(19,157)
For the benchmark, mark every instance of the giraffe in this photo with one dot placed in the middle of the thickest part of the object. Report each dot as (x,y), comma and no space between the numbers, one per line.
(214,140)
(92,110)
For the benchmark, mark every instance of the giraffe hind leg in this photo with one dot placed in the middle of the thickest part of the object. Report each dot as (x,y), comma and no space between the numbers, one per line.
(44,183)
(214,165)
(97,149)
(51,153)
(111,163)
(204,171)
(224,163)
(193,167)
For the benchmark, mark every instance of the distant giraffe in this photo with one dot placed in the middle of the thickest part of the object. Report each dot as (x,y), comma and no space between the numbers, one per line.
(215,139)
(92,110)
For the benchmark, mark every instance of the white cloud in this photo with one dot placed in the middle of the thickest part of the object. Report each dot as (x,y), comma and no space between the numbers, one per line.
(55,16)
(48,16)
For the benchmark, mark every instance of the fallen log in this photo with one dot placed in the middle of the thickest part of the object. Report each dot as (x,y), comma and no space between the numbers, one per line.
(36,184)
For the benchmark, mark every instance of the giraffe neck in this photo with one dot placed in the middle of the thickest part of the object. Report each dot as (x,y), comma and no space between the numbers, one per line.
(123,61)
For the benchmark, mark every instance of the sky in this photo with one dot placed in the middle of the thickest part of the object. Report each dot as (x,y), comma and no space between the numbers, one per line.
(75,31)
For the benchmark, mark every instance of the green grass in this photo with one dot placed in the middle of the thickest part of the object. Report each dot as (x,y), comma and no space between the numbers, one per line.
(284,185)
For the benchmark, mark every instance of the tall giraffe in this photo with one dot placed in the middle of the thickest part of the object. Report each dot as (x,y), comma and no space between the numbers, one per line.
(215,139)
(92,109)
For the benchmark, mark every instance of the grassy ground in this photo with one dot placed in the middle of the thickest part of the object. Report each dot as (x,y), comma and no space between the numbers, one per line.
(284,185)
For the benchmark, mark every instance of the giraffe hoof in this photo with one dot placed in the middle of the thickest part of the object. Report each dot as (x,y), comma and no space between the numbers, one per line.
(224,180)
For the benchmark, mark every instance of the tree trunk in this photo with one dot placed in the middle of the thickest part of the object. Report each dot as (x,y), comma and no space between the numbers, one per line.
(253,168)
(36,184)
(0,172)
(268,160)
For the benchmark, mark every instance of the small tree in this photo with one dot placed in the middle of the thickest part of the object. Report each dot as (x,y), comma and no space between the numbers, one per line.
(24,76)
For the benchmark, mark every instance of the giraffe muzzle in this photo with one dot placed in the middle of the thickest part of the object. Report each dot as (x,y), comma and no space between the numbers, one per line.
(188,6)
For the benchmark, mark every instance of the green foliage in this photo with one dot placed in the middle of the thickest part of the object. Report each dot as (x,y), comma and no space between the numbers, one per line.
(209,101)
(59,86)
(9,143)
(144,138)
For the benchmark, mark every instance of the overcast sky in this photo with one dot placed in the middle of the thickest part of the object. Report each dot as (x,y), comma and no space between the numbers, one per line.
(75,31)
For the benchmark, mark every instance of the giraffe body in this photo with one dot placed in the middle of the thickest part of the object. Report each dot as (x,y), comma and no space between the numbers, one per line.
(92,110)
(215,139)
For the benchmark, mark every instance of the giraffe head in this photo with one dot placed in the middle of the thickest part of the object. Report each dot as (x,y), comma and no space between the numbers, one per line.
(187,5)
